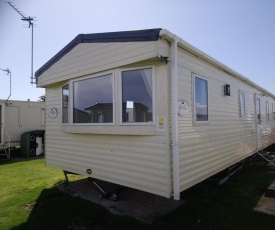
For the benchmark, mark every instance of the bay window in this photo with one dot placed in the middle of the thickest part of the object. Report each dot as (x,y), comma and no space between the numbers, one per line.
(107,102)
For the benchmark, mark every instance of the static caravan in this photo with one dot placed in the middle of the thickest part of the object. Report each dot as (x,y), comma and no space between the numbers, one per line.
(17,117)
(147,110)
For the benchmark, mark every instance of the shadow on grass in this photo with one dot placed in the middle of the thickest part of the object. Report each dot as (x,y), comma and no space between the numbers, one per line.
(229,206)
(16,159)
(54,209)
(207,206)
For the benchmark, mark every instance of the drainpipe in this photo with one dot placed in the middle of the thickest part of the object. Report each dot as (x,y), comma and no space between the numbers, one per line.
(175,131)
(174,87)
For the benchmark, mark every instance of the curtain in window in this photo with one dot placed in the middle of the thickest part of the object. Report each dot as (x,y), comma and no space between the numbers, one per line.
(147,79)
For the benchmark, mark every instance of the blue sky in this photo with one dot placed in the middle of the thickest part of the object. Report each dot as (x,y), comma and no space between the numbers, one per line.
(238,33)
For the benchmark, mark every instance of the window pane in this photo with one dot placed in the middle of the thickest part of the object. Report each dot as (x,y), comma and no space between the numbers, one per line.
(93,100)
(201,99)
(137,103)
(65,104)
(242,105)
(258,111)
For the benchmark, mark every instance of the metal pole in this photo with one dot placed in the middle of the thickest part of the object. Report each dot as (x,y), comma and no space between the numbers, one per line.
(8,73)
(10,87)
(32,82)
(29,20)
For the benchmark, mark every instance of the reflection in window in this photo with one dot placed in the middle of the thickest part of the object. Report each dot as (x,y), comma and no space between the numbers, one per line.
(93,100)
(201,99)
(242,104)
(258,110)
(137,102)
(65,104)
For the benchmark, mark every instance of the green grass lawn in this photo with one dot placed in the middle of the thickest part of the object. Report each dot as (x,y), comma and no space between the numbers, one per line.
(29,199)
(21,184)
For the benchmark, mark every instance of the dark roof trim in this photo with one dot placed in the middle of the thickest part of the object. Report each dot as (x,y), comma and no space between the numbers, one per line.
(123,36)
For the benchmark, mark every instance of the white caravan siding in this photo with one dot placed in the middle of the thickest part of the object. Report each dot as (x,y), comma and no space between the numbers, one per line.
(88,58)
(206,149)
(137,161)
(22,116)
(140,156)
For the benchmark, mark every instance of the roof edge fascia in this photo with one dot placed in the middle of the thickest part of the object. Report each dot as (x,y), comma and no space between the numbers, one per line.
(198,53)
(120,36)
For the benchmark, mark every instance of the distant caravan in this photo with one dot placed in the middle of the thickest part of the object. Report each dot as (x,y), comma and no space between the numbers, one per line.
(16,118)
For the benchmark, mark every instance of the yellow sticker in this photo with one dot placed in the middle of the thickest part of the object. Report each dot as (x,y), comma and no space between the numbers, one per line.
(161,121)
(161,124)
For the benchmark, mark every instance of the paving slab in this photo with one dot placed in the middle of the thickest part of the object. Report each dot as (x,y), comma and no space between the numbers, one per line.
(140,205)
(267,203)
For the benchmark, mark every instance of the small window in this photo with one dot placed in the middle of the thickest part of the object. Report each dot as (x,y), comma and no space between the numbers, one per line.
(65,104)
(137,100)
(242,104)
(273,110)
(267,110)
(258,110)
(93,100)
(200,99)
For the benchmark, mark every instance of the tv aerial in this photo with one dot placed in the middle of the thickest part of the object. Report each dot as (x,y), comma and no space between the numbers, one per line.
(30,21)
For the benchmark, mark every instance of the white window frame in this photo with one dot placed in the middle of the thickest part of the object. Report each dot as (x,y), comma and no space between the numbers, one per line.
(267,110)
(69,105)
(153,97)
(71,96)
(194,98)
(240,104)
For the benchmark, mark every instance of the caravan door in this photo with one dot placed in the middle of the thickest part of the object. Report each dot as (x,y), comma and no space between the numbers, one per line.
(258,122)
(1,123)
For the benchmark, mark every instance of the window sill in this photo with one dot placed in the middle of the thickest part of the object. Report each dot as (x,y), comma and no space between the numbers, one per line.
(201,123)
(112,130)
